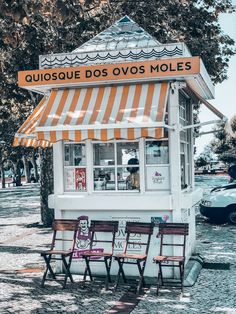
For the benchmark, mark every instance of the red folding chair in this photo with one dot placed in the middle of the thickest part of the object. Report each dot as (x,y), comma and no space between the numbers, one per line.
(57,251)
(127,257)
(179,231)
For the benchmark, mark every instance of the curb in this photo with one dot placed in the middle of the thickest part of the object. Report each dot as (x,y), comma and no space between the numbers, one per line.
(192,270)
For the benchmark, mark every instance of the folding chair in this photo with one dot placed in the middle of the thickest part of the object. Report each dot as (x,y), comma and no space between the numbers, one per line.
(57,252)
(99,229)
(127,257)
(179,231)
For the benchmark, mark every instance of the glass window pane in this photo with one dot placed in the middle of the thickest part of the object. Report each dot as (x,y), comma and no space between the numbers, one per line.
(127,151)
(157,152)
(104,179)
(127,180)
(75,155)
(103,154)
(75,179)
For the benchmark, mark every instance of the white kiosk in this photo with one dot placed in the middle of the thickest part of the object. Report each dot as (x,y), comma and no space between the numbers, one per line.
(118,112)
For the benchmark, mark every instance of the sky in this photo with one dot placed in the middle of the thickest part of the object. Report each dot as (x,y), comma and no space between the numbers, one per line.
(225,100)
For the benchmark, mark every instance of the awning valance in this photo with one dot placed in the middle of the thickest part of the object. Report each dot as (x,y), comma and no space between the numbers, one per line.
(102,113)
(26,136)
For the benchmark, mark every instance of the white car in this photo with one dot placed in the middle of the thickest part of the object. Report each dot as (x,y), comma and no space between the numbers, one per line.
(220,204)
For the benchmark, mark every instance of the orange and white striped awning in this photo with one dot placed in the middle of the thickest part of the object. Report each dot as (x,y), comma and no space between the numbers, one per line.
(98,113)
(104,113)
(26,136)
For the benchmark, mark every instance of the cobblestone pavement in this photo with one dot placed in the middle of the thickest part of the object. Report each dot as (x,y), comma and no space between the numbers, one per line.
(21,237)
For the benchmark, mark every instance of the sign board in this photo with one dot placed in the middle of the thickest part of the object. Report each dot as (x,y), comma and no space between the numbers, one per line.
(158,178)
(129,71)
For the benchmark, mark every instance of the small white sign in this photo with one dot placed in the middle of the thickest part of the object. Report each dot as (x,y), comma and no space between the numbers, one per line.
(69,179)
(158,178)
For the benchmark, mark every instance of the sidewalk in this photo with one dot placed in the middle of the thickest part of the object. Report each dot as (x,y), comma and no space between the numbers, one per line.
(21,237)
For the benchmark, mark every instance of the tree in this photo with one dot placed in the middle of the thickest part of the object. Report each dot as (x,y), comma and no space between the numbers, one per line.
(31,28)
(224,143)
(191,21)
(205,158)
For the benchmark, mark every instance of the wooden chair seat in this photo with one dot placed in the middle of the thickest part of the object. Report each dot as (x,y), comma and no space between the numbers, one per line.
(102,254)
(132,256)
(56,252)
(168,258)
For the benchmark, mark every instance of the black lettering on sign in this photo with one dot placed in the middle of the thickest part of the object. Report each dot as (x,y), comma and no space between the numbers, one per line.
(69,75)
(104,72)
(54,76)
(35,77)
(125,70)
(97,73)
(28,78)
(61,76)
(172,69)
(141,69)
(164,67)
(116,71)
(47,77)
(180,66)
(77,74)
(154,68)
(134,70)
(88,73)
(188,65)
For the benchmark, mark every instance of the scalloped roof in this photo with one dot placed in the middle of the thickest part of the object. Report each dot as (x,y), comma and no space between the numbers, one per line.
(124,34)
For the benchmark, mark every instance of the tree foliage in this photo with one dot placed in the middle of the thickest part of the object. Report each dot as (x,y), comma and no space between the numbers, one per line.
(224,143)
(205,158)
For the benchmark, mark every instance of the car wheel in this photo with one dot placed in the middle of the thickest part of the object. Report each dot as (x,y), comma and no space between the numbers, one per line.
(232,217)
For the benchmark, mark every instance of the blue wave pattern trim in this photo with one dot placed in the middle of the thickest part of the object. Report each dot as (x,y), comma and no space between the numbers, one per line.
(78,61)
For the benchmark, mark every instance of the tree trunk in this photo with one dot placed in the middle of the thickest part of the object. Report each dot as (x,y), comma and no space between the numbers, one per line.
(17,173)
(36,174)
(26,167)
(3,176)
(46,186)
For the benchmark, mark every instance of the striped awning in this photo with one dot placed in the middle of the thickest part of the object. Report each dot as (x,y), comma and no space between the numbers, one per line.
(101,113)
(26,136)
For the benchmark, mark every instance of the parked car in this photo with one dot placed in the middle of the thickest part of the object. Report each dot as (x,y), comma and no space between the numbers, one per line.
(220,204)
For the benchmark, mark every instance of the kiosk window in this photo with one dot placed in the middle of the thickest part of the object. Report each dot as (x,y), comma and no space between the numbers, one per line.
(157,165)
(75,167)
(116,166)
(157,152)
(185,114)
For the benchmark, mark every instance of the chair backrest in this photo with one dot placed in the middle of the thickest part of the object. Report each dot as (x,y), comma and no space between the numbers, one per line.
(70,225)
(179,230)
(98,227)
(141,228)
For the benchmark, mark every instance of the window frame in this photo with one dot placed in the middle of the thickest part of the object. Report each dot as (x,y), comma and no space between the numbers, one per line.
(185,141)
(164,139)
(65,167)
(115,166)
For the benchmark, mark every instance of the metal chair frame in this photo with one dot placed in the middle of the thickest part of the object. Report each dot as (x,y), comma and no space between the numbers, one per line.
(181,231)
(141,228)
(60,225)
(98,228)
